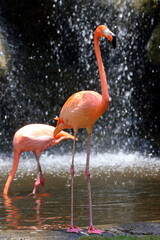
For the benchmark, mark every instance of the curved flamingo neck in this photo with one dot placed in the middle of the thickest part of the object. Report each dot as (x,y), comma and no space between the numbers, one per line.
(102,74)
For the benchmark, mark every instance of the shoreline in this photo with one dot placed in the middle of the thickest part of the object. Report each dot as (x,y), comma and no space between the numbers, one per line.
(129,229)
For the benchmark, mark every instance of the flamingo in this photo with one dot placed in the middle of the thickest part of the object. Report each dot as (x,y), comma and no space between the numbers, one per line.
(35,138)
(82,110)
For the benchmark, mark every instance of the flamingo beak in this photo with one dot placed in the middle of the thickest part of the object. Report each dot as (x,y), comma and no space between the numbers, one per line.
(114,42)
(111,36)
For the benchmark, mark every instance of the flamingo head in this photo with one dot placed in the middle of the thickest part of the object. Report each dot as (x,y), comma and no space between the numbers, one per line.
(103,31)
(62,135)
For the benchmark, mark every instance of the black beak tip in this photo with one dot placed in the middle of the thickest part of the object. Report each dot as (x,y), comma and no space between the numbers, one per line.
(114,42)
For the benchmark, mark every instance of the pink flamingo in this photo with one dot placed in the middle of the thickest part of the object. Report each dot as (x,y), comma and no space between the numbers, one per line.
(82,110)
(35,138)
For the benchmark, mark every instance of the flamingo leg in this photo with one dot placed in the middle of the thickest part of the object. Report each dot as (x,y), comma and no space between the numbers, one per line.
(13,172)
(72,228)
(40,179)
(91,229)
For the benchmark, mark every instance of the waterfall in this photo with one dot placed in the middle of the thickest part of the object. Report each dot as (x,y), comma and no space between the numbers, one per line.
(52,56)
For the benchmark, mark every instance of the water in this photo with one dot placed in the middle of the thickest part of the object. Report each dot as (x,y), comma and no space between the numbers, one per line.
(125,188)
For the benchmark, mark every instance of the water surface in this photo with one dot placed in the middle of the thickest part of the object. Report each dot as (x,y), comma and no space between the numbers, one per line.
(125,188)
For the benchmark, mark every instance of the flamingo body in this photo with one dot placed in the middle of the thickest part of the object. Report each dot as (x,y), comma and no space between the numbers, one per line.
(81,110)
(36,138)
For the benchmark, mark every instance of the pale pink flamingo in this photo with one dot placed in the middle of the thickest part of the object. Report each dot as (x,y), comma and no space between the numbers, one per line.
(35,138)
(82,110)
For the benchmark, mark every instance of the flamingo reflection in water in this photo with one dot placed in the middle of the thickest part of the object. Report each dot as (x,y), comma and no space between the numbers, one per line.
(36,220)
(13,216)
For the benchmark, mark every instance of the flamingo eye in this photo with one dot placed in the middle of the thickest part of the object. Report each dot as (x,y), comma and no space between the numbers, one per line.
(106,31)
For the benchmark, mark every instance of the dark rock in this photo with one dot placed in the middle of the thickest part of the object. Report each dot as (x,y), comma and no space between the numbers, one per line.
(4,57)
(138,229)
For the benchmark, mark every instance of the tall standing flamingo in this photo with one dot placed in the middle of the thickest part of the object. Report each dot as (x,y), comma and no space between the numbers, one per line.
(82,110)
(35,138)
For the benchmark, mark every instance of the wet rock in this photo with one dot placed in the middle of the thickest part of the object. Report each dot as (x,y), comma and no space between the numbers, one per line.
(153,47)
(146,5)
(151,8)
(43,234)
(38,235)
(130,229)
(4,57)
(142,228)
(137,229)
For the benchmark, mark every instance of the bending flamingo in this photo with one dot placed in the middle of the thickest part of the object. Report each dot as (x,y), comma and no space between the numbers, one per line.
(82,110)
(35,138)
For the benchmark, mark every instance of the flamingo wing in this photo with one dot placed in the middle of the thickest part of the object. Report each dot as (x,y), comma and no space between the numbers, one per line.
(81,110)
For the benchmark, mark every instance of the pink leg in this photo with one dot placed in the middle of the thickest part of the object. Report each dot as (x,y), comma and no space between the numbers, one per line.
(40,179)
(91,229)
(39,170)
(36,184)
(72,228)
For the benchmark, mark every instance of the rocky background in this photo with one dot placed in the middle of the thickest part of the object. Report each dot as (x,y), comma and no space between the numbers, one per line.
(46,54)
